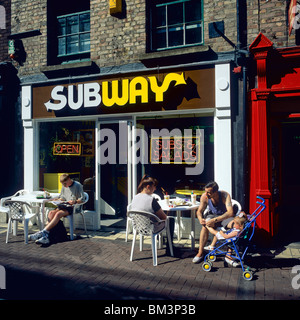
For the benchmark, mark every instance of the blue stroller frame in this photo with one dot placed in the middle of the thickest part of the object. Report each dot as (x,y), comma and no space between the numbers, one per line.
(245,236)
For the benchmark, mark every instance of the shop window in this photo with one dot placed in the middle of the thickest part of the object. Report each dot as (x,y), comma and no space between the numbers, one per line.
(176,24)
(68,31)
(67,147)
(172,175)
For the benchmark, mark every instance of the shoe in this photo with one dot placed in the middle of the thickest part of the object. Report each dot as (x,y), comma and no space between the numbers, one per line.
(197,259)
(43,240)
(35,236)
(231,262)
(209,248)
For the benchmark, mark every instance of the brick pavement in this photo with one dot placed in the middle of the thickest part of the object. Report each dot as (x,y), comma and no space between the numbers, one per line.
(98,267)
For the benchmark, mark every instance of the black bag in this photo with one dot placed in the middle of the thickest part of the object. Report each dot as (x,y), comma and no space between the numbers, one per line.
(58,233)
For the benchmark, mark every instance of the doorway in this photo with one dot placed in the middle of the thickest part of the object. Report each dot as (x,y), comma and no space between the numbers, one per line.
(290,182)
(115,171)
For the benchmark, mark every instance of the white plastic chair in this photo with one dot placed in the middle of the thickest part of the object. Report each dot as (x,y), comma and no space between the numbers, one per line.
(156,196)
(78,208)
(20,211)
(144,224)
(128,221)
(5,209)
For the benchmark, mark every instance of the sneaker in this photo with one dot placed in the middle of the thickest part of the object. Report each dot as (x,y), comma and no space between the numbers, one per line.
(35,236)
(43,240)
(209,248)
(231,262)
(197,259)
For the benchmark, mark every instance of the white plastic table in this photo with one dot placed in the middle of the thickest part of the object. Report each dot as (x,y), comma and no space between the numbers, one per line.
(179,210)
(31,198)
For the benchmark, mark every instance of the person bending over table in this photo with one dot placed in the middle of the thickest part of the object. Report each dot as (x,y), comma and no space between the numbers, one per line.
(143,201)
(220,213)
(71,192)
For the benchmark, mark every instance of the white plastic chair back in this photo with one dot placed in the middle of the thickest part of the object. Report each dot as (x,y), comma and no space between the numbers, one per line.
(141,222)
(156,196)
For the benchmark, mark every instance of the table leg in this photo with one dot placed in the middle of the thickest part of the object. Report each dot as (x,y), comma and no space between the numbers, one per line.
(43,214)
(193,229)
(178,214)
(15,228)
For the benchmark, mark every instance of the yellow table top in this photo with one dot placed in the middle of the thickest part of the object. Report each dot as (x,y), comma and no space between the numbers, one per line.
(188,192)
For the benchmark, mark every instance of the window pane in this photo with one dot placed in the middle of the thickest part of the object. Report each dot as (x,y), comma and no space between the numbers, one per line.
(84,42)
(72,24)
(159,17)
(61,26)
(193,33)
(84,22)
(61,46)
(72,44)
(175,36)
(175,13)
(192,11)
(160,39)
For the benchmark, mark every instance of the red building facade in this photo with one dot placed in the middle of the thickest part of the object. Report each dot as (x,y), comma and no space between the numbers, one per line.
(274,138)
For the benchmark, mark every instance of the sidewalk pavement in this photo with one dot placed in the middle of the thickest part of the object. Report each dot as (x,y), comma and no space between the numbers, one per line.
(97,267)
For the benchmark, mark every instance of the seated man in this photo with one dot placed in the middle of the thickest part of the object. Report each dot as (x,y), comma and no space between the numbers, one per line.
(220,210)
(71,192)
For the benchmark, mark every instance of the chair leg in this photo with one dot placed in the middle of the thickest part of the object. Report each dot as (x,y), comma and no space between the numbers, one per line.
(154,249)
(83,218)
(141,242)
(8,229)
(26,221)
(127,230)
(71,226)
(170,241)
(160,241)
(132,246)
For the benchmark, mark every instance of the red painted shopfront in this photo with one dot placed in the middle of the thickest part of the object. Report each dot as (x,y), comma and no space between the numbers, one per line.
(274,139)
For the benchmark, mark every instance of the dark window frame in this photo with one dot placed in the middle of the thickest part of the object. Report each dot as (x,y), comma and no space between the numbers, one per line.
(174,27)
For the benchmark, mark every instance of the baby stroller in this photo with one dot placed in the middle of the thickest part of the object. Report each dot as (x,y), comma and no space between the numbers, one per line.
(239,245)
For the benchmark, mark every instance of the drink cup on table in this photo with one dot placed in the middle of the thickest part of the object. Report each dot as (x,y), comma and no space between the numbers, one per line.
(193,198)
(167,199)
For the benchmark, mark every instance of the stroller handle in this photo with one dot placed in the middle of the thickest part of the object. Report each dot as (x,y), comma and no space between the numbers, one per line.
(262,201)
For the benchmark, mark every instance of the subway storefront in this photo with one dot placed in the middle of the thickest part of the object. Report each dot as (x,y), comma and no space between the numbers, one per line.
(107,131)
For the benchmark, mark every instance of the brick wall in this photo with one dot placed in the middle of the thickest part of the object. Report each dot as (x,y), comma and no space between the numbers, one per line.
(118,40)
(4,30)
(270,18)
(28,15)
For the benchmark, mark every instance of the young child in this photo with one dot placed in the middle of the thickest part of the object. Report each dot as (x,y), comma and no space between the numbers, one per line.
(236,226)
(229,226)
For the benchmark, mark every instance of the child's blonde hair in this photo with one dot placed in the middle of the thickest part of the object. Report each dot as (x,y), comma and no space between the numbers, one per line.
(240,220)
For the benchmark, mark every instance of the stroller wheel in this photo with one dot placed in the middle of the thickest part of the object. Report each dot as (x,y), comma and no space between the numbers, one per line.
(211,257)
(247,275)
(206,266)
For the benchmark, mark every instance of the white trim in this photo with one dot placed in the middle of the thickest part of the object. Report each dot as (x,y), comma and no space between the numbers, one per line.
(26,103)
(222,128)
(30,156)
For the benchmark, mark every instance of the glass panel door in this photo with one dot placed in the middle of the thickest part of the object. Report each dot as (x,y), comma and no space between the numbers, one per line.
(115,168)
